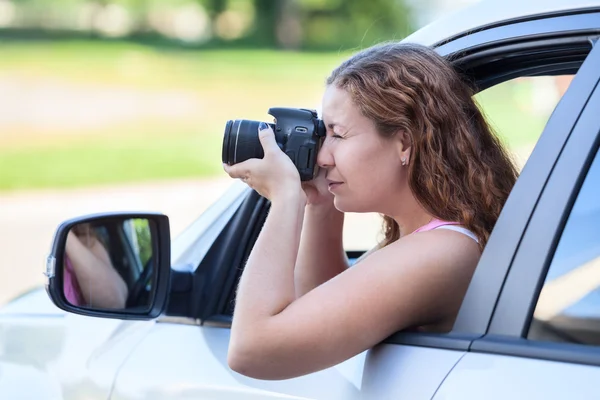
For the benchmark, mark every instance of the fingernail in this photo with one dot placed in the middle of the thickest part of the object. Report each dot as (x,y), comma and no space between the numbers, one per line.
(262,126)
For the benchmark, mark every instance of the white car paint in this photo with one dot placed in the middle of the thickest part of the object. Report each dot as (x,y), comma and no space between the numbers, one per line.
(485,13)
(60,355)
(411,372)
(486,376)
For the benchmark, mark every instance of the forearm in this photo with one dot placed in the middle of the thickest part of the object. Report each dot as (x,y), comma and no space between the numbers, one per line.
(267,283)
(321,255)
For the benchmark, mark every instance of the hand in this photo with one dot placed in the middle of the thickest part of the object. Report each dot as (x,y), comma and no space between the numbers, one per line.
(317,190)
(273,176)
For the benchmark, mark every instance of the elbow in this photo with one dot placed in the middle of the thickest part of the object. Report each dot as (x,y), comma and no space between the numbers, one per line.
(237,361)
(241,361)
(249,360)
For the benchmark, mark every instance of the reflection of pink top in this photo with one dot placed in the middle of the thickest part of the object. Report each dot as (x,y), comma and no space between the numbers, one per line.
(71,287)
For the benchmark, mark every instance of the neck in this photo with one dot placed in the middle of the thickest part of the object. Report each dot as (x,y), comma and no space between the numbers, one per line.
(410,215)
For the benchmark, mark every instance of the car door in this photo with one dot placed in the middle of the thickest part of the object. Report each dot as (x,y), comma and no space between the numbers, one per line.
(542,340)
(186,357)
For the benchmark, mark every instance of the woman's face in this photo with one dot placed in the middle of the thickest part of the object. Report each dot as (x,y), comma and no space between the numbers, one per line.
(363,169)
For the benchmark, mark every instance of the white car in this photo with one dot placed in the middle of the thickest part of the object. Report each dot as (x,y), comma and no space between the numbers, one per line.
(529,326)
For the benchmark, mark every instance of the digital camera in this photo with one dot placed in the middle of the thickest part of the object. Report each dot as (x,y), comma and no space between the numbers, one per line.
(298,133)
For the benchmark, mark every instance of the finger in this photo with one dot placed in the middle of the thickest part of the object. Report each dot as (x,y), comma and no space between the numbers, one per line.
(242,170)
(267,138)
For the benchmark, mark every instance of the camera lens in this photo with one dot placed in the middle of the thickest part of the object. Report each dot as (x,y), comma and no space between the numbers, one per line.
(241,142)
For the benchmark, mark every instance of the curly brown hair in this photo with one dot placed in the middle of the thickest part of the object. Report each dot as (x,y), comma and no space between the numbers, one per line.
(458,169)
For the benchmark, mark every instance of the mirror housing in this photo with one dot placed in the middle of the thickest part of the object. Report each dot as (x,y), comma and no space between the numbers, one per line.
(111,265)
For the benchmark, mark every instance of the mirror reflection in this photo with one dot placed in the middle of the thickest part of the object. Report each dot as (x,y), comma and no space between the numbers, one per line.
(108,264)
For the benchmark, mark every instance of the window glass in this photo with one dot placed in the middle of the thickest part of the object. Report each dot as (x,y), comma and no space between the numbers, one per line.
(568,309)
(517,110)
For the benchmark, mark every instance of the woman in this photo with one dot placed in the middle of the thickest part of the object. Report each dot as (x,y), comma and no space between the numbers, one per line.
(404,139)
(89,278)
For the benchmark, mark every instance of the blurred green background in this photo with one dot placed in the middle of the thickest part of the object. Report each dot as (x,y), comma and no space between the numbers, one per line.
(113,91)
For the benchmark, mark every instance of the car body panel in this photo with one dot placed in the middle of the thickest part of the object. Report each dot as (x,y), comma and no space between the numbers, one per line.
(406,372)
(61,355)
(485,376)
(410,372)
(189,361)
(487,13)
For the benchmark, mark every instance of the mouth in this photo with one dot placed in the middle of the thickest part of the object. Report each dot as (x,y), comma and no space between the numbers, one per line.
(333,184)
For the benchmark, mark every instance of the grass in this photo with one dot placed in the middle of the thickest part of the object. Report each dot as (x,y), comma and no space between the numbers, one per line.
(146,67)
(225,85)
(101,161)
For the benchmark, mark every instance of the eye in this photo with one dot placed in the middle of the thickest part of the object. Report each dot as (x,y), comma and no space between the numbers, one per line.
(334,136)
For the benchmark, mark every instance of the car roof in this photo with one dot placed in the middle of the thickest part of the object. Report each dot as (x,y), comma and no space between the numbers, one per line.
(493,12)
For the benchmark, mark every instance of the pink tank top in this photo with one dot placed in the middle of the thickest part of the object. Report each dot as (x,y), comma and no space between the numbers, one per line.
(437,223)
(434,223)
(71,288)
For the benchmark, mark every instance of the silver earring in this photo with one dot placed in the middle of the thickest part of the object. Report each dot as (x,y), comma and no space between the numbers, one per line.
(403,161)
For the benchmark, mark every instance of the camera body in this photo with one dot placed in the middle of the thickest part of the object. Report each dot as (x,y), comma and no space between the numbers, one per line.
(298,133)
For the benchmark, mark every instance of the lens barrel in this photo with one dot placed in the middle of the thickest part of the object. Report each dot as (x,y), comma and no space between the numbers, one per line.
(241,142)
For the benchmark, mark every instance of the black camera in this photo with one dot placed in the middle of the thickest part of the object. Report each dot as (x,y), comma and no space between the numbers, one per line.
(298,133)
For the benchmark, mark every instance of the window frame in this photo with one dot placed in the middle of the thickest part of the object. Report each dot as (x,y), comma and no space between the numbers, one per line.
(514,311)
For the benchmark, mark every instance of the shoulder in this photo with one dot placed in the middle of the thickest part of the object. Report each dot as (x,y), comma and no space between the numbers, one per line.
(435,246)
(451,239)
(449,249)
(432,259)
(421,278)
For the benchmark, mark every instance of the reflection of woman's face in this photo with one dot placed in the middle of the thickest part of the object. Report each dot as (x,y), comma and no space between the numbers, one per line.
(363,168)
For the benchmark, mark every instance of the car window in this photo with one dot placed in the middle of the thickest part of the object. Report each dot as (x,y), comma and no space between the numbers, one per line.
(568,308)
(137,232)
(517,110)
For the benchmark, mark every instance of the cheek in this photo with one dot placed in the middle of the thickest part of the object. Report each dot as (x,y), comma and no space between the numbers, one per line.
(375,165)
(371,174)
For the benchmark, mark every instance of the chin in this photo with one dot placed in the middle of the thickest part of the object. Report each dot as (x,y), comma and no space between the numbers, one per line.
(347,206)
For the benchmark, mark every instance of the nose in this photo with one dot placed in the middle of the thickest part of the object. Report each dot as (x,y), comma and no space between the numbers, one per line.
(325,156)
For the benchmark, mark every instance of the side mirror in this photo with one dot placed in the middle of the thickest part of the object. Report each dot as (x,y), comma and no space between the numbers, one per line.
(112,265)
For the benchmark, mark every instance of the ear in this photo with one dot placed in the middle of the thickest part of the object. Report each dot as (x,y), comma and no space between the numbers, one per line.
(404,146)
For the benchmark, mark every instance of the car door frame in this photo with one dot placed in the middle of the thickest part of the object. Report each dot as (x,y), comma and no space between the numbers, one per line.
(513,314)
(470,52)
(214,280)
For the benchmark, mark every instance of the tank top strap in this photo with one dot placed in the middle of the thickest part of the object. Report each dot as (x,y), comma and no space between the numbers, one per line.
(434,223)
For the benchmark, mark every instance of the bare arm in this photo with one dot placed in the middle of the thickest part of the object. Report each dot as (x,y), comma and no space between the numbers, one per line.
(276,336)
(100,284)
(321,255)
